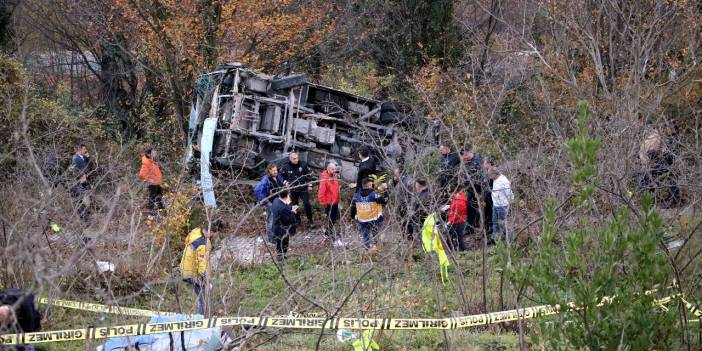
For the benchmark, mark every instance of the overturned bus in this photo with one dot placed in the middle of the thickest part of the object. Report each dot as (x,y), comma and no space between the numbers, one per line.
(241,120)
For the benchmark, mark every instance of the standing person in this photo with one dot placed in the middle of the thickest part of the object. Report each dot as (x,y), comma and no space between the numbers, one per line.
(488,163)
(366,168)
(193,264)
(502,197)
(458,210)
(297,176)
(266,190)
(80,193)
(367,208)
(404,194)
(329,196)
(474,188)
(79,162)
(18,314)
(448,170)
(269,185)
(150,174)
(284,222)
(421,206)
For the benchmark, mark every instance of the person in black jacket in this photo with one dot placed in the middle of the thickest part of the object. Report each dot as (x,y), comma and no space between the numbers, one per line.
(79,162)
(473,182)
(18,314)
(488,163)
(80,193)
(298,178)
(448,171)
(421,206)
(284,223)
(367,167)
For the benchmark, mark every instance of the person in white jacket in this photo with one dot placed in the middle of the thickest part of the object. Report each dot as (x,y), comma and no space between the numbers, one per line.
(502,197)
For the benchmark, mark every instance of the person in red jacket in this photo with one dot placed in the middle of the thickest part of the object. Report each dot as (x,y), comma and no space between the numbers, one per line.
(458,212)
(329,197)
(150,173)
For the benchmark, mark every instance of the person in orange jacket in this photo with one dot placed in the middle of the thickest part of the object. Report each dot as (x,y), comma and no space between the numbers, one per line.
(150,174)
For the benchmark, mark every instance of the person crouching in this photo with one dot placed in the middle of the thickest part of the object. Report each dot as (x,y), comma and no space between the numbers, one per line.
(283,223)
(367,208)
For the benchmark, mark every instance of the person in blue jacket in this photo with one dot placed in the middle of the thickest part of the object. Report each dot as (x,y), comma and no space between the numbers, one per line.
(267,189)
(268,186)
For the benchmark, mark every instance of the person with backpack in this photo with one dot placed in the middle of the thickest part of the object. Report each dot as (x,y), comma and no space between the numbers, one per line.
(283,224)
(367,208)
(150,173)
(194,262)
(329,196)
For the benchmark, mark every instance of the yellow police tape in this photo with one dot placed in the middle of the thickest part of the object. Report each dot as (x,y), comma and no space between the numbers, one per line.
(96,307)
(91,333)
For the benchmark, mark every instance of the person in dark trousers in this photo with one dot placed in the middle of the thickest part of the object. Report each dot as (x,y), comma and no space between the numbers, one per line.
(502,198)
(404,194)
(662,181)
(79,162)
(80,193)
(150,173)
(488,163)
(458,210)
(367,209)
(18,314)
(329,196)
(473,182)
(284,223)
(194,262)
(297,176)
(266,191)
(421,206)
(366,168)
(448,171)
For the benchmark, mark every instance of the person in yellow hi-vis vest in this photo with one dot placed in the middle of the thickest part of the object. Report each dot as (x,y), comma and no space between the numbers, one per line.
(193,264)
(431,241)
(367,208)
